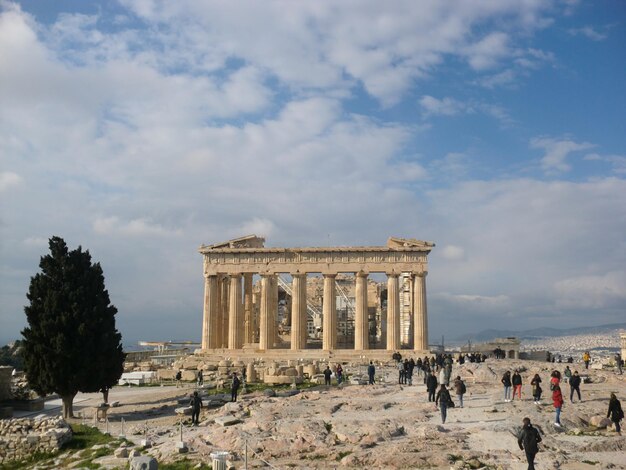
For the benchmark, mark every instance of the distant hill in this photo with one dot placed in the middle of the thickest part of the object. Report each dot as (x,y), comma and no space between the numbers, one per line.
(488,335)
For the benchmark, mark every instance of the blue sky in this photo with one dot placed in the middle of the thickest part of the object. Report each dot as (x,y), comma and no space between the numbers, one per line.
(142,129)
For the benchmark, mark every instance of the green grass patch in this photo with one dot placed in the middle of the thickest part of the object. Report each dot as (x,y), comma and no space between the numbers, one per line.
(86,436)
(183,464)
(454,458)
(328,426)
(590,462)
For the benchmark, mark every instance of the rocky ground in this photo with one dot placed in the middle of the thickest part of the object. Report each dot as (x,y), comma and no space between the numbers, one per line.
(381,426)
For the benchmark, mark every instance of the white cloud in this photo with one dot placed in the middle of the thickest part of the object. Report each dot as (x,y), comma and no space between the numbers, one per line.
(442,107)
(140,227)
(8,180)
(487,52)
(589,32)
(557,151)
(618,162)
(596,291)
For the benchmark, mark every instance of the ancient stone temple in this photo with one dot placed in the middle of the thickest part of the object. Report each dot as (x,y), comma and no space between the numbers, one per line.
(241,314)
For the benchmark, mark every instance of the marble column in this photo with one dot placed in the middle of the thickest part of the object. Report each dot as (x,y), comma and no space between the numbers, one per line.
(266,340)
(393,313)
(249,325)
(210,320)
(329,311)
(235,317)
(274,314)
(298,311)
(420,315)
(361,323)
(224,301)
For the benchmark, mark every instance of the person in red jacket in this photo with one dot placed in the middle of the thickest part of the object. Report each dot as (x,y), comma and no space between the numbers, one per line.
(557,401)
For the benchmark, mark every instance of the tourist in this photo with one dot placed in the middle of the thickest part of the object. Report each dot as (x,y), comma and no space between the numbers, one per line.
(536,384)
(401,376)
(234,387)
(200,378)
(555,379)
(196,404)
(444,400)
(586,359)
(327,375)
(371,370)
(418,364)
(567,373)
(431,386)
(517,384)
(409,371)
(619,362)
(574,386)
(528,439)
(557,401)
(506,381)
(339,374)
(179,376)
(615,412)
(459,389)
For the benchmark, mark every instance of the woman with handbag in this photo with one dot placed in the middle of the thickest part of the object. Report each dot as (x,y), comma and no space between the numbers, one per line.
(444,400)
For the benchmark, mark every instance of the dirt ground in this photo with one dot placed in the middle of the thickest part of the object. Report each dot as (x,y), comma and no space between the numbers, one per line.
(380,426)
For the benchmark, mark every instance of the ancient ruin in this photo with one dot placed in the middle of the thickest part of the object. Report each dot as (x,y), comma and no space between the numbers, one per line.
(241,315)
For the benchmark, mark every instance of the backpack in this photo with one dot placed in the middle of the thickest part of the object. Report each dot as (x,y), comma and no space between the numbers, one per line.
(463,387)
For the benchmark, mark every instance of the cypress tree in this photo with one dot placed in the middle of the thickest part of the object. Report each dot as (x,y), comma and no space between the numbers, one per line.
(71,344)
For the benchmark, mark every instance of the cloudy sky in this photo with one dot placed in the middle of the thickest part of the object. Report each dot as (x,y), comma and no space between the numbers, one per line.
(141,129)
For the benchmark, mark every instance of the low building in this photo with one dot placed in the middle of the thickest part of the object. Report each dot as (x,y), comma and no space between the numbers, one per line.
(510,346)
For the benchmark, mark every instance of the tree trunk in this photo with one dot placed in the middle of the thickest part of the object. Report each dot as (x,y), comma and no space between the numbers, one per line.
(105,394)
(68,404)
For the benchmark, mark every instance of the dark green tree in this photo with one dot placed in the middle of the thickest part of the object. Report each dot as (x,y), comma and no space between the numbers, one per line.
(71,344)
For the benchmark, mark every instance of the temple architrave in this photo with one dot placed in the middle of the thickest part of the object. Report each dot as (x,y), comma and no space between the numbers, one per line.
(238,317)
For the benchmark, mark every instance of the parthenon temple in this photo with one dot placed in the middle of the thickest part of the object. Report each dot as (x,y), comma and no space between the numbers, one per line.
(271,300)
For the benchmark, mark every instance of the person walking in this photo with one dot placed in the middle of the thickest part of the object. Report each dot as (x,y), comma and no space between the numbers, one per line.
(615,413)
(528,441)
(339,372)
(179,376)
(327,374)
(444,400)
(196,404)
(567,373)
(200,378)
(234,387)
(574,386)
(459,389)
(555,379)
(557,401)
(371,370)
(431,386)
(506,381)
(536,384)
(517,384)
(586,359)
(619,363)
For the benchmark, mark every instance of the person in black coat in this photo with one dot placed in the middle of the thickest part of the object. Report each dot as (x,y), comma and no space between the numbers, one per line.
(371,370)
(327,375)
(234,387)
(527,440)
(615,413)
(431,386)
(196,404)
(574,386)
(444,400)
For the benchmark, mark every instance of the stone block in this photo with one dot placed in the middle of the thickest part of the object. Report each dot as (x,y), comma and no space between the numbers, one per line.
(599,422)
(227,420)
(143,462)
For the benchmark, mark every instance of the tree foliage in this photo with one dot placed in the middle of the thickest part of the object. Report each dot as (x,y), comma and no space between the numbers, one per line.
(71,343)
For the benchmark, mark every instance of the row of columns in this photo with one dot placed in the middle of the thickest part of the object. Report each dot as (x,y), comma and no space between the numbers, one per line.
(229,320)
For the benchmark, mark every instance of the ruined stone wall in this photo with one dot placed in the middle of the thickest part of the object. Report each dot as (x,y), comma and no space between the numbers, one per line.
(5,382)
(20,438)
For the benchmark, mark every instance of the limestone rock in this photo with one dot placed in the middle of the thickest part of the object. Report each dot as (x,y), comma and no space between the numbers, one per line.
(143,462)
(599,422)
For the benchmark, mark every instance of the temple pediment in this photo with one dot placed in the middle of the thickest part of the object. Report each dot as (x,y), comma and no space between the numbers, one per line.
(395,242)
(249,241)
